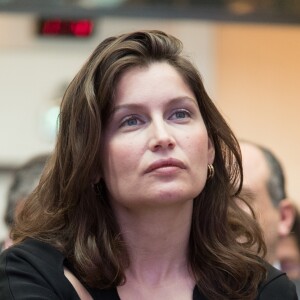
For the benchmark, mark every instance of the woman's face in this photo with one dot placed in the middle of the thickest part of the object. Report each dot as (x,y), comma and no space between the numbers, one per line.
(155,146)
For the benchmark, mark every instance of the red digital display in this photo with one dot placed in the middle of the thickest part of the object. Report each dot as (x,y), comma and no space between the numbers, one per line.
(59,27)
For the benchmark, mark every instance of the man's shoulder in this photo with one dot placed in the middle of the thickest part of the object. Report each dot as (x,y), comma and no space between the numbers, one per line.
(277,286)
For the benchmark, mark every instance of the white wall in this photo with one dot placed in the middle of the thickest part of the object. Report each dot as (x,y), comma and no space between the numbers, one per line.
(31,75)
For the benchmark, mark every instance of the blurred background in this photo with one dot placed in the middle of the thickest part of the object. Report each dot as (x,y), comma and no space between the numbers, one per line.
(248,52)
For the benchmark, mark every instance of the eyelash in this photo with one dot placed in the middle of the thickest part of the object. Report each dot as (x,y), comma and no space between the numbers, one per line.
(134,117)
(129,118)
(186,112)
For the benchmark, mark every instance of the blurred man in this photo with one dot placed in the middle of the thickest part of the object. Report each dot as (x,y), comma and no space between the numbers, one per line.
(265,183)
(288,250)
(25,179)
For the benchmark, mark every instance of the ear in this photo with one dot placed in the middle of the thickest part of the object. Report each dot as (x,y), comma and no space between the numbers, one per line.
(287,217)
(211,151)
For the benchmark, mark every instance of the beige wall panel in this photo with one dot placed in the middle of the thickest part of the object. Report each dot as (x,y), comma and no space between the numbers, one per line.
(258,89)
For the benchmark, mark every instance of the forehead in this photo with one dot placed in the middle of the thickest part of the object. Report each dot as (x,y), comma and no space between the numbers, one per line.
(156,78)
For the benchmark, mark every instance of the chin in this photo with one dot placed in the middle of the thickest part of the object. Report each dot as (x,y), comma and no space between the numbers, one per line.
(176,195)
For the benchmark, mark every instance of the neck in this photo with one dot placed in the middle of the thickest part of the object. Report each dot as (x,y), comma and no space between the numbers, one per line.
(157,241)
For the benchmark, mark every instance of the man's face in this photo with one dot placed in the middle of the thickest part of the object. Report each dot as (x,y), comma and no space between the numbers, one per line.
(256,175)
(289,255)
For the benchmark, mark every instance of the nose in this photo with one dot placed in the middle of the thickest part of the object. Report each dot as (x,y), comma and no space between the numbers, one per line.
(161,137)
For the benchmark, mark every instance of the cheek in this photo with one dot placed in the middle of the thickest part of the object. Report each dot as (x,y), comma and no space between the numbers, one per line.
(197,148)
(120,156)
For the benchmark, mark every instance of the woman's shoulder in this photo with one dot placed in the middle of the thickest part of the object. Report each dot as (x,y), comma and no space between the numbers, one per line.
(36,269)
(277,286)
(34,249)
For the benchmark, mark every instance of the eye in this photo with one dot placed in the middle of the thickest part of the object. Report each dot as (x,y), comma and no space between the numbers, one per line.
(180,114)
(131,121)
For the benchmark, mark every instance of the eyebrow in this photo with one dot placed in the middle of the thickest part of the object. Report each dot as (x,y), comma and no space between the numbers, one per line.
(139,106)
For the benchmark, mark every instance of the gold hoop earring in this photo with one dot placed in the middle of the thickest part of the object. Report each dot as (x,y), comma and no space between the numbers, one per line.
(210,171)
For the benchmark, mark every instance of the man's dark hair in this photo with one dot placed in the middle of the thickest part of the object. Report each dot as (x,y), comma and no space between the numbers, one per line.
(276,181)
(25,179)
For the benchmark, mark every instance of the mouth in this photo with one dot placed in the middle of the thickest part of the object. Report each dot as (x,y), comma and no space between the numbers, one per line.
(165,163)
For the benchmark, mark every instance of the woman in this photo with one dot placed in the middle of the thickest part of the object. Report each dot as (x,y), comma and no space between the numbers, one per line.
(137,201)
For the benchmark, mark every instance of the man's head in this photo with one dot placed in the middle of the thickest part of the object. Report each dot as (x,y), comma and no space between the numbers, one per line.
(264,185)
(25,179)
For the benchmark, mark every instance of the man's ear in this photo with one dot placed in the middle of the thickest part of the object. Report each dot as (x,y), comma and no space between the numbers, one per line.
(287,217)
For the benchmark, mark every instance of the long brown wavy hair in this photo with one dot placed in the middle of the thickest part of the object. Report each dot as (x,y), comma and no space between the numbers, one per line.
(225,243)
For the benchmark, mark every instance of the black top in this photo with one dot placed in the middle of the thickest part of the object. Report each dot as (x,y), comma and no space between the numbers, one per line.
(35,270)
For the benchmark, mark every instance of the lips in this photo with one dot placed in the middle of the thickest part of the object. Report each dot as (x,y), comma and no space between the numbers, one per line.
(164,163)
